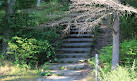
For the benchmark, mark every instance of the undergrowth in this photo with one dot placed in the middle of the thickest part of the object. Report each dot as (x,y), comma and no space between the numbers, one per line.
(128,61)
(49,12)
(31,46)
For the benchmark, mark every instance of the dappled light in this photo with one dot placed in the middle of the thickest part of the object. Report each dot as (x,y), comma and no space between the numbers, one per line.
(68,40)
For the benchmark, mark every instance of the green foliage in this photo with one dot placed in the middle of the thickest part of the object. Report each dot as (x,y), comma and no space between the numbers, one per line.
(16,73)
(23,4)
(31,46)
(128,22)
(21,19)
(128,26)
(2,4)
(50,13)
(128,61)
(119,74)
(44,71)
(49,34)
(130,2)
(2,57)
(30,51)
(128,52)
(30,43)
(107,53)
(53,1)
(2,13)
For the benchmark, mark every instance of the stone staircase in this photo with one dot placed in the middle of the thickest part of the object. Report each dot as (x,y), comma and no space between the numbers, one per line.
(72,55)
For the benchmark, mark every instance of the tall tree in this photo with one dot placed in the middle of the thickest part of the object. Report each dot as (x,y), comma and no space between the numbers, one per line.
(11,7)
(116,41)
(89,13)
(6,32)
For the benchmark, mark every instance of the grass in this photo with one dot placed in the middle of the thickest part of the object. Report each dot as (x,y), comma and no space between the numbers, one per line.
(119,74)
(89,78)
(16,73)
(122,73)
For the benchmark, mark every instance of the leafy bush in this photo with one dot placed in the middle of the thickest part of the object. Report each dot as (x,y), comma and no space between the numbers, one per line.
(128,22)
(31,51)
(21,19)
(128,52)
(49,34)
(130,2)
(128,27)
(2,4)
(119,74)
(2,14)
(23,4)
(30,44)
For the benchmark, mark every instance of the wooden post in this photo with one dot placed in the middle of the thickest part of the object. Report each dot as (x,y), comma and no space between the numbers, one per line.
(96,67)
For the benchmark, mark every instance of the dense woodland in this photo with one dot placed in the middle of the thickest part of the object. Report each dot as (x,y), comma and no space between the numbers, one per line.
(28,42)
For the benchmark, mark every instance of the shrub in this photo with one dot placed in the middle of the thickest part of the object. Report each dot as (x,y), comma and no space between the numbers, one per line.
(128,27)
(21,19)
(128,52)
(130,2)
(2,4)
(23,4)
(128,22)
(119,74)
(31,51)
(49,35)
(2,13)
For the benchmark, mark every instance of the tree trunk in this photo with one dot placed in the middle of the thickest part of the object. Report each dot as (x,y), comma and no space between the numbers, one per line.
(116,45)
(6,32)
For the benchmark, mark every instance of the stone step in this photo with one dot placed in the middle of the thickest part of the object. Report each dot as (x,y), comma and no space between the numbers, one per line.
(72,55)
(74,28)
(80,36)
(77,40)
(80,31)
(74,50)
(66,72)
(55,78)
(67,66)
(71,60)
(76,45)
